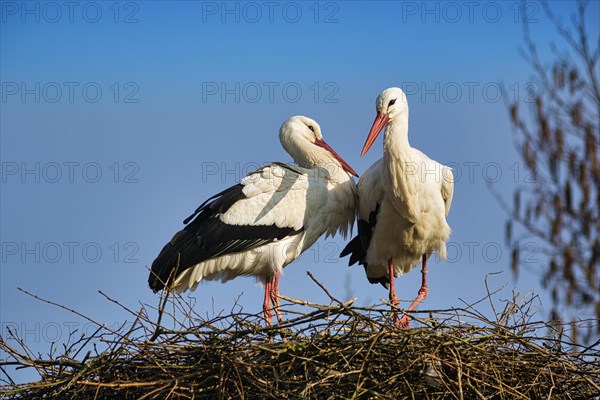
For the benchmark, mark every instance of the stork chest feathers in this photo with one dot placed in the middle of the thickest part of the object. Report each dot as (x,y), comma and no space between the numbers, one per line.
(343,202)
(412,212)
(336,210)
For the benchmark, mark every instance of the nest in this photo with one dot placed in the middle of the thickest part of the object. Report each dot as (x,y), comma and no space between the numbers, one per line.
(336,351)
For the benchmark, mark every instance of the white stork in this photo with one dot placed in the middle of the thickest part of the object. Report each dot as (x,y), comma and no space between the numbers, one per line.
(404,199)
(265,222)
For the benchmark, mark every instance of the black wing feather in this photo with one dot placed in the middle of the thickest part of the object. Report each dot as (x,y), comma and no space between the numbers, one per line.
(357,247)
(207,237)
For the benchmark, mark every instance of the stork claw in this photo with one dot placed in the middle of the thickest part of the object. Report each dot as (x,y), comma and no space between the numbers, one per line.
(402,323)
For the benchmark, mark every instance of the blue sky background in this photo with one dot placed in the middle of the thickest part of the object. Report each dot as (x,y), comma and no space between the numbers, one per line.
(117,112)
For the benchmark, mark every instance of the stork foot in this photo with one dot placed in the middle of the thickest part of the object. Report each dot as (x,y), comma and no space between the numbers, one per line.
(402,323)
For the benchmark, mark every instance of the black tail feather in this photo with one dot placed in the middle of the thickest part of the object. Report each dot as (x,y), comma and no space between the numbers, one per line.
(355,249)
(165,266)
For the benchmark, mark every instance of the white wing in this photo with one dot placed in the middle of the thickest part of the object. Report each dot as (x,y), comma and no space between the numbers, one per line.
(370,190)
(278,194)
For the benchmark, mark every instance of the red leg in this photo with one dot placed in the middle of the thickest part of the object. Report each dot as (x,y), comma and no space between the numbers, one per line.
(275,300)
(393,297)
(404,322)
(267,310)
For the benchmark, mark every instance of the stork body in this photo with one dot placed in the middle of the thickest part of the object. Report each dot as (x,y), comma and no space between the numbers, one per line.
(404,199)
(262,224)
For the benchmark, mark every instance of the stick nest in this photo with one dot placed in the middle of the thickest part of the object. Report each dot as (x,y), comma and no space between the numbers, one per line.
(336,351)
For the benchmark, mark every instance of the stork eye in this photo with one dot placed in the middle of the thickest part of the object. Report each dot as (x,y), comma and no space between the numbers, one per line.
(392,102)
(311,128)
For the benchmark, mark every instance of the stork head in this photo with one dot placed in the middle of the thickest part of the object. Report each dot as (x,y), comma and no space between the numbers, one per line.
(390,104)
(301,137)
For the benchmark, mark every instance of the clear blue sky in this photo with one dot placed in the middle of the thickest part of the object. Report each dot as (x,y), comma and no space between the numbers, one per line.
(118,119)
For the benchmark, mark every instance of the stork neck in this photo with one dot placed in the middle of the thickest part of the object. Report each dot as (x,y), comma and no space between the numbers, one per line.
(311,156)
(395,139)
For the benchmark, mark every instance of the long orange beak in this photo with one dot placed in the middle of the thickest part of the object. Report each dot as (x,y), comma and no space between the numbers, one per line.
(380,121)
(345,165)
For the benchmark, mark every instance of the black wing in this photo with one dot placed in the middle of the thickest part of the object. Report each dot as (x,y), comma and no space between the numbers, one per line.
(357,247)
(207,237)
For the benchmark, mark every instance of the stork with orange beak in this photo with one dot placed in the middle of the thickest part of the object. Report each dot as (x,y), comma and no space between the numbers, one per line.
(263,223)
(404,199)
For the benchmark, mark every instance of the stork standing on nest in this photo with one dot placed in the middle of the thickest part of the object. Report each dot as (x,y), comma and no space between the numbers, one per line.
(262,224)
(404,199)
